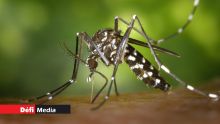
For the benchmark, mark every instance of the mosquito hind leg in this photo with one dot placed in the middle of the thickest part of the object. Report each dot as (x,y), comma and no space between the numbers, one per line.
(189,87)
(166,38)
(183,27)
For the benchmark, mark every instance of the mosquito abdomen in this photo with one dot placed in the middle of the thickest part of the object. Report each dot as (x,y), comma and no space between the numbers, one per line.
(143,69)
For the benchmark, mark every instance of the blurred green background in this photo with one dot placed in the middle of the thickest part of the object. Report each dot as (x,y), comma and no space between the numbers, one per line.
(32,62)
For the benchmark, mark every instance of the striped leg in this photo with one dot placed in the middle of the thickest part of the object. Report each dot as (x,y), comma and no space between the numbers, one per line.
(181,29)
(173,35)
(189,87)
(50,95)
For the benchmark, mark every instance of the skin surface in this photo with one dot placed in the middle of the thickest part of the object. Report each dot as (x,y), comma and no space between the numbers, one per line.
(180,106)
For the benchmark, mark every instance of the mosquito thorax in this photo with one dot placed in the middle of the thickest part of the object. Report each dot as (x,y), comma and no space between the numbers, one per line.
(107,40)
(105,35)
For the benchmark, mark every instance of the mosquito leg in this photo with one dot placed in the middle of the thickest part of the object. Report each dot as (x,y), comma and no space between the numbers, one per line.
(179,31)
(50,95)
(91,74)
(109,89)
(189,87)
(116,88)
(182,28)
(117,19)
(116,24)
(103,87)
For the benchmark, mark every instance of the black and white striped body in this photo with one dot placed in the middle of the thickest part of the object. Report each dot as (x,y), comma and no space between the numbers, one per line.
(143,69)
(108,42)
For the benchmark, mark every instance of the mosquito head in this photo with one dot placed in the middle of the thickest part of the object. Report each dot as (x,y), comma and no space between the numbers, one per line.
(92,63)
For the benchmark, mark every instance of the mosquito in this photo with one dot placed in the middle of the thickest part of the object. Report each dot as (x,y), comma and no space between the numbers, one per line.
(113,48)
